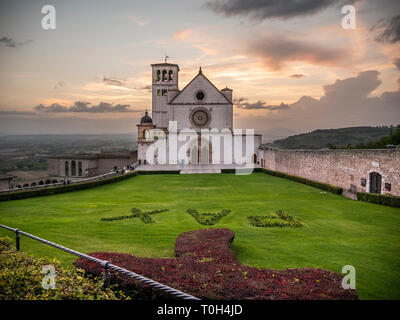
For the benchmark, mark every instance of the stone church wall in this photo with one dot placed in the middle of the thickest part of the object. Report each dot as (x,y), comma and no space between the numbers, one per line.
(343,168)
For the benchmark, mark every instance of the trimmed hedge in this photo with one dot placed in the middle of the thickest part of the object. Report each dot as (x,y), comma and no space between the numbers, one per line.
(234,170)
(208,218)
(137,213)
(312,183)
(21,279)
(282,219)
(61,189)
(383,199)
(159,172)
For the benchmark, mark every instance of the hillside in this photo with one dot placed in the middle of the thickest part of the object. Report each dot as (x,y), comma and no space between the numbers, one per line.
(340,138)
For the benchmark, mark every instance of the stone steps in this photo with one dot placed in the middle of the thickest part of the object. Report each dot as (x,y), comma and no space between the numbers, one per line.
(200,171)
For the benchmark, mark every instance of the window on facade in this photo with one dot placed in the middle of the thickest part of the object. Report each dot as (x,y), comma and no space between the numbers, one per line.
(158,75)
(158,92)
(66,165)
(170,75)
(73,168)
(80,168)
(164,75)
(200,95)
(164,92)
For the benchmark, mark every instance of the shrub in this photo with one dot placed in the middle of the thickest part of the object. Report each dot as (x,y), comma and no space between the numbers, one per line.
(21,278)
(159,172)
(234,170)
(282,219)
(316,184)
(137,213)
(384,199)
(208,218)
(23,194)
(206,268)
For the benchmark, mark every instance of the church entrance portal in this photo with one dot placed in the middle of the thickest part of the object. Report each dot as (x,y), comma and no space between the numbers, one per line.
(201,153)
(375,182)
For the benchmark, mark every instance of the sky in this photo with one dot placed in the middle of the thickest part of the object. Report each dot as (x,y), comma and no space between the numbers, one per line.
(291,64)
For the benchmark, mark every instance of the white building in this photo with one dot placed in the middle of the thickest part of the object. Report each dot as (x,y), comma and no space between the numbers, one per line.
(192,126)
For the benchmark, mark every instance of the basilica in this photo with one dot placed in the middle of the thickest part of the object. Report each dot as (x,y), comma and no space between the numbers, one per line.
(192,126)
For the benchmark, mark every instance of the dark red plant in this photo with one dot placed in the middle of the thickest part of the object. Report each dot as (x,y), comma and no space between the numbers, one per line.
(206,267)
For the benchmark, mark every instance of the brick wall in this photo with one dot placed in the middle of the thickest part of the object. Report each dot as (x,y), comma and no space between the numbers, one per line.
(342,168)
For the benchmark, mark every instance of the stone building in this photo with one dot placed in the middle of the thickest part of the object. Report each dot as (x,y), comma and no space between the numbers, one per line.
(88,165)
(199,106)
(6,181)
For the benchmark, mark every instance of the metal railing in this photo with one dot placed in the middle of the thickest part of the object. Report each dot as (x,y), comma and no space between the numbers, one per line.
(106,265)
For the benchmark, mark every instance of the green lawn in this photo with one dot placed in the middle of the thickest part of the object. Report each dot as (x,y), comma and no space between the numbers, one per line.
(337,231)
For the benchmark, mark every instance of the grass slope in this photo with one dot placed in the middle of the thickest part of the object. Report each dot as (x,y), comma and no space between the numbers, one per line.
(337,231)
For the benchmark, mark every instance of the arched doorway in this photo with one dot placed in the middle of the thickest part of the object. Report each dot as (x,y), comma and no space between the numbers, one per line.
(200,152)
(375,182)
(254,158)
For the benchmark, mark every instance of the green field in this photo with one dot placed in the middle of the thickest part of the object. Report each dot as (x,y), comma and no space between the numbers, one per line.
(337,231)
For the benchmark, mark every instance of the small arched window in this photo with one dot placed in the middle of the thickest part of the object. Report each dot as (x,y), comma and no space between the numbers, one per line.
(80,168)
(73,168)
(170,75)
(66,165)
(164,75)
(158,75)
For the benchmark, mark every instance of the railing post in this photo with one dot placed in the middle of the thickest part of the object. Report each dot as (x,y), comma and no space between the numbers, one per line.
(17,239)
(106,275)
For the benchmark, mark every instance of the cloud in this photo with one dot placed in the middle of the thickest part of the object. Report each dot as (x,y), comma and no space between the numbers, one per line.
(59,84)
(388,31)
(347,102)
(296,76)
(180,35)
(397,63)
(264,9)
(114,82)
(140,22)
(242,103)
(206,50)
(276,51)
(11,43)
(18,113)
(102,107)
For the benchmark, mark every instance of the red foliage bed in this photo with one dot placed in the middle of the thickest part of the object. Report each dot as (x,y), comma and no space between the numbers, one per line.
(206,267)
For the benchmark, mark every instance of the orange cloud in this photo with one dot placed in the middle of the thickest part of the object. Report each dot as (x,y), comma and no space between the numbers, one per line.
(180,35)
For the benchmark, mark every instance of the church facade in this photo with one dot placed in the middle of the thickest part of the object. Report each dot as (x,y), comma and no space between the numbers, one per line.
(192,126)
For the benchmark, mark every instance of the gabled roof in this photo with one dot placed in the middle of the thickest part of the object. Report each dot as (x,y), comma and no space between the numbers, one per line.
(200,74)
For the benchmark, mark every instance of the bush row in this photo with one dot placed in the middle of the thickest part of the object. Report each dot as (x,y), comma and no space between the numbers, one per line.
(159,172)
(234,170)
(316,184)
(21,279)
(61,189)
(208,218)
(206,267)
(384,199)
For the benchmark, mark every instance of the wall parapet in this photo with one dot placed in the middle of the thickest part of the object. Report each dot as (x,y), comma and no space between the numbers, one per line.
(355,170)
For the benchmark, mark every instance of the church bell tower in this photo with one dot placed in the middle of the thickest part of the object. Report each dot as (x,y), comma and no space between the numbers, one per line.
(164,78)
